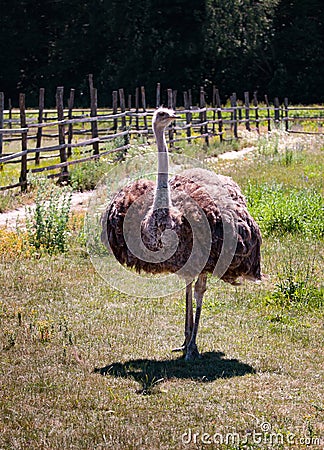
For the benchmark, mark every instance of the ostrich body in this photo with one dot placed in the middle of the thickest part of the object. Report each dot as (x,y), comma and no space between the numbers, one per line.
(179,224)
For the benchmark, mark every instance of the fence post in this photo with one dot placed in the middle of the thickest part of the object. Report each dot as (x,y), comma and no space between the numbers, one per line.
(219,115)
(61,131)
(170,98)
(94,124)
(40,120)
(247,111)
(170,106)
(23,124)
(239,110)
(123,110)
(203,115)
(190,97)
(201,105)
(214,107)
(255,104)
(70,116)
(234,114)
(158,95)
(268,112)
(129,107)
(174,106)
(122,107)
(174,99)
(1,119)
(137,107)
(286,114)
(10,112)
(115,106)
(188,115)
(276,111)
(144,106)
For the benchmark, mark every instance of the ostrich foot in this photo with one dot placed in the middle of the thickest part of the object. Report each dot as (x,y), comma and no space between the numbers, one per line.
(180,349)
(185,345)
(192,353)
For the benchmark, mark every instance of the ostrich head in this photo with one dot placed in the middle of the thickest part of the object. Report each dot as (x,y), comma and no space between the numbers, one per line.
(162,118)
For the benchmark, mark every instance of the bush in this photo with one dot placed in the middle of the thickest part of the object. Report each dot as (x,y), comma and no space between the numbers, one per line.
(47,223)
(85,176)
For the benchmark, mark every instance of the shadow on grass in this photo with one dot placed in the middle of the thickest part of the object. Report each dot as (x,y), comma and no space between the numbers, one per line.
(148,372)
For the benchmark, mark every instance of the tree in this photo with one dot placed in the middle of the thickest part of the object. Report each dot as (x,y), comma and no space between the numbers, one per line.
(238,34)
(272,46)
(157,41)
(297,51)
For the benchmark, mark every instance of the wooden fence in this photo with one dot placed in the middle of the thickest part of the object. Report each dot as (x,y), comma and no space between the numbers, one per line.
(51,140)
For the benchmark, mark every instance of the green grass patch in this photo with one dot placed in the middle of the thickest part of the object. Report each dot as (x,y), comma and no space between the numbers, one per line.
(85,176)
(282,209)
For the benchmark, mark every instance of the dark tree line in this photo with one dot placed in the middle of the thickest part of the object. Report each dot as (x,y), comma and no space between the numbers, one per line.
(271,46)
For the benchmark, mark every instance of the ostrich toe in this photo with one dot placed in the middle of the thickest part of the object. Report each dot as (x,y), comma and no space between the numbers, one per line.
(184,346)
(179,349)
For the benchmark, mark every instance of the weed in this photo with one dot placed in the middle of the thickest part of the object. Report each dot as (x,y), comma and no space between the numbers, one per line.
(12,199)
(279,209)
(148,382)
(47,223)
(13,245)
(298,288)
(298,280)
(287,157)
(76,227)
(85,176)
(5,201)
(44,329)
(268,145)
(293,290)
(11,341)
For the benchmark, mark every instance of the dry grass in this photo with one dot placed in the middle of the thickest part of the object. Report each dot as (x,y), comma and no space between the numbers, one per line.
(262,363)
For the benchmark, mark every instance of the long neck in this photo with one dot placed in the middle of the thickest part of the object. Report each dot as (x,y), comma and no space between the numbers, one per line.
(162,197)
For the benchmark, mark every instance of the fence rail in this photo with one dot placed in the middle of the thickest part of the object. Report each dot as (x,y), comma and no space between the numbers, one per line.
(55,134)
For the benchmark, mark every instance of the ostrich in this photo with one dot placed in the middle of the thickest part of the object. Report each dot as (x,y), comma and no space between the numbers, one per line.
(179,225)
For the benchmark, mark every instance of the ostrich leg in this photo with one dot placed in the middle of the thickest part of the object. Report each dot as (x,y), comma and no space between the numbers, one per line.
(189,315)
(200,288)
(188,321)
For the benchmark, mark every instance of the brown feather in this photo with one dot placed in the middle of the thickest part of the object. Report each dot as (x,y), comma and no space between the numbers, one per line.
(216,196)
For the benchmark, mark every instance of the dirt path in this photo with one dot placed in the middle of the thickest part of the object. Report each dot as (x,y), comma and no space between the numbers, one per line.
(80,201)
(236,154)
(10,219)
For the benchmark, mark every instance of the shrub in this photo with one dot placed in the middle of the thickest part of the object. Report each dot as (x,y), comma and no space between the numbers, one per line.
(47,222)
(85,176)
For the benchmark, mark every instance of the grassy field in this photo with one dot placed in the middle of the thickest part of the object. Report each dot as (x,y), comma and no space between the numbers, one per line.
(86,367)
